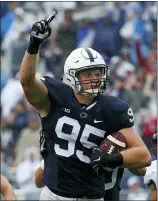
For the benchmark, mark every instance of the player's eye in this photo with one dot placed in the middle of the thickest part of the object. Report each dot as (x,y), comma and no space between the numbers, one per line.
(98,74)
(89,74)
(86,74)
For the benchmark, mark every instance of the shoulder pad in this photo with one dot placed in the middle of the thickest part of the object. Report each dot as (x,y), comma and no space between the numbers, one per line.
(57,90)
(118,113)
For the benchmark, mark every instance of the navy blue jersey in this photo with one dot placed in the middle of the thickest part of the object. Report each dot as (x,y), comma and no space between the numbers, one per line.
(112,184)
(70,130)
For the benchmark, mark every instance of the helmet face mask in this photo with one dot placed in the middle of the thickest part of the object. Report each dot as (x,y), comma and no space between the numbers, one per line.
(91,86)
(78,62)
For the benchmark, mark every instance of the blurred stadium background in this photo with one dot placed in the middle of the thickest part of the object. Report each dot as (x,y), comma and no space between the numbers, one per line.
(125,33)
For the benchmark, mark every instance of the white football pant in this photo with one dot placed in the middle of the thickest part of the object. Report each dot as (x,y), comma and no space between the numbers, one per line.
(46,194)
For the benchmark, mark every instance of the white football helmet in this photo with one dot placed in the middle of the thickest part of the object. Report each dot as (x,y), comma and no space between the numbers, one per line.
(81,59)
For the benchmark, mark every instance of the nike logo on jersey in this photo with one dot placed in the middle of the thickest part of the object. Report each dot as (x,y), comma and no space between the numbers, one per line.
(95,121)
(97,159)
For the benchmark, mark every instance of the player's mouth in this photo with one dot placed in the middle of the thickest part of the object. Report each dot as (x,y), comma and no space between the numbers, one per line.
(91,86)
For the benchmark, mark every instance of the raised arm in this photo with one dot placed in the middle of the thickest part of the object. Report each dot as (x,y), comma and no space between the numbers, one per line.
(35,91)
(6,189)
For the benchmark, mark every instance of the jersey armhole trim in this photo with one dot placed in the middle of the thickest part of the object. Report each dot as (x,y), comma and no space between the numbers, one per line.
(51,106)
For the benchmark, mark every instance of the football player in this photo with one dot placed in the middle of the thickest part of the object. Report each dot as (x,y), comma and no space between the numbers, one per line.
(7,189)
(150,177)
(75,118)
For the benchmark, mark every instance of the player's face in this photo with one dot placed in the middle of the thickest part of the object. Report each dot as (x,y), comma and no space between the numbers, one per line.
(90,79)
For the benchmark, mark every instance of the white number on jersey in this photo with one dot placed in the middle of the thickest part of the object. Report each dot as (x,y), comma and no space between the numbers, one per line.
(72,138)
(113,179)
(130,113)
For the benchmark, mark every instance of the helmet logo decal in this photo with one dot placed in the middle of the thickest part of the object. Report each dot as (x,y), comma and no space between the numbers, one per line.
(90,55)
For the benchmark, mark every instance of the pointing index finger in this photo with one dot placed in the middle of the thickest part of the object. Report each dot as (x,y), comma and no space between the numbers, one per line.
(49,19)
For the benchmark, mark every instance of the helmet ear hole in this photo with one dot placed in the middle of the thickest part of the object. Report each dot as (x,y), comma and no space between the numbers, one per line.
(72,72)
(68,79)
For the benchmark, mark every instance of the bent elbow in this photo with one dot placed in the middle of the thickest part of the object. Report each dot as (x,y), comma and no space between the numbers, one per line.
(148,159)
(23,82)
(38,178)
(148,162)
(27,80)
(143,172)
(39,185)
(38,182)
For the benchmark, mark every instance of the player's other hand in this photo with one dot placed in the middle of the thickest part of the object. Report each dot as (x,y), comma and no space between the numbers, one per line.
(102,160)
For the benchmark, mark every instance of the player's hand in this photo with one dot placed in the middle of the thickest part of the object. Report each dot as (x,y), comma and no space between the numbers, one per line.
(96,161)
(100,160)
(40,32)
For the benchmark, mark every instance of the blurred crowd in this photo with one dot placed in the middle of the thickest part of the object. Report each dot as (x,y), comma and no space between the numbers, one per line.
(126,36)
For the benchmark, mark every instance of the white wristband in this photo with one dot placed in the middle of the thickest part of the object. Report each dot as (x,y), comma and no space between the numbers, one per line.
(42,164)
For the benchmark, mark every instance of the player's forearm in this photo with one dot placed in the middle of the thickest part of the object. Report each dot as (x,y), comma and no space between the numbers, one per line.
(6,189)
(28,68)
(153,195)
(9,194)
(136,157)
(138,172)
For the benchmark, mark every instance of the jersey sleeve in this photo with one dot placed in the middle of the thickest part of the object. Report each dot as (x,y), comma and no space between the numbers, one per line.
(56,89)
(120,115)
(151,176)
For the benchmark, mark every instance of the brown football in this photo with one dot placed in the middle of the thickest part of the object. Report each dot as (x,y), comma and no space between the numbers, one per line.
(113,143)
